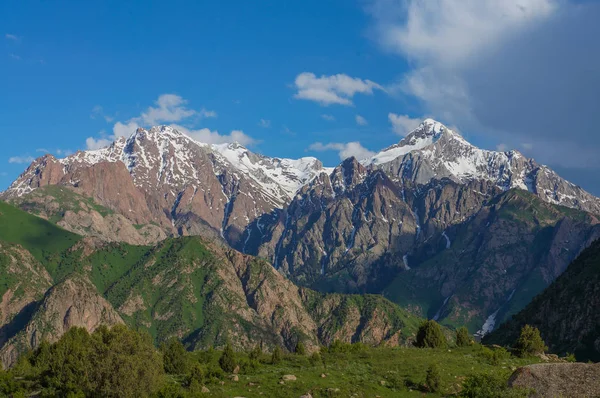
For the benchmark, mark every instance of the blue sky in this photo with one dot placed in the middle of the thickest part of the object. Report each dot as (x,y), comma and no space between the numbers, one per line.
(282,76)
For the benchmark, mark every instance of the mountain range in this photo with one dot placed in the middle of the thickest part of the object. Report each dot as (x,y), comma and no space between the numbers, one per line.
(445,229)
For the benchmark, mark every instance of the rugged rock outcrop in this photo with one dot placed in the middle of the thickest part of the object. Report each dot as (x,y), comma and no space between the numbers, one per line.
(354,228)
(73,302)
(566,313)
(553,380)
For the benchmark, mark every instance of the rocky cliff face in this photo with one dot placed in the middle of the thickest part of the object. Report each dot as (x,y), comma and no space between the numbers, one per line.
(354,228)
(73,302)
(566,312)
(558,380)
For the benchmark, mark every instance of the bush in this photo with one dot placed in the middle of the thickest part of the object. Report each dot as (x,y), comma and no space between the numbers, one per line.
(433,378)
(489,386)
(529,342)
(463,339)
(276,356)
(256,353)
(570,358)
(494,356)
(196,376)
(175,357)
(315,359)
(300,350)
(227,360)
(430,335)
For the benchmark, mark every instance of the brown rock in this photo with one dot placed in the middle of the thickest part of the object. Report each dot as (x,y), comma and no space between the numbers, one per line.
(559,379)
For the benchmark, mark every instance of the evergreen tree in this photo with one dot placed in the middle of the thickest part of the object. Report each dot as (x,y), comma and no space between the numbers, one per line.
(175,357)
(276,356)
(300,350)
(462,337)
(530,342)
(256,353)
(227,360)
(433,378)
(430,335)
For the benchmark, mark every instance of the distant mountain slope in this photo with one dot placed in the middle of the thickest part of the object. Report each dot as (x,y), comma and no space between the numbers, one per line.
(354,228)
(567,312)
(202,292)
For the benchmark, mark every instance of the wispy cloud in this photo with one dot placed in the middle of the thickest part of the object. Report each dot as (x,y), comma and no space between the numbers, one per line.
(98,112)
(12,37)
(168,109)
(361,121)
(344,150)
(329,118)
(403,124)
(58,151)
(21,159)
(329,90)
(15,56)
(264,123)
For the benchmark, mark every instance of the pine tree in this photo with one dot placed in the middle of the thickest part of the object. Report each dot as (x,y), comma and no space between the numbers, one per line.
(433,378)
(227,360)
(276,356)
(300,350)
(256,353)
(462,337)
(430,335)
(530,342)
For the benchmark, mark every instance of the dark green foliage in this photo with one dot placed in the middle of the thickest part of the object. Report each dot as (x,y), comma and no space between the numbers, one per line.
(256,353)
(430,335)
(174,357)
(433,378)
(463,339)
(196,375)
(529,342)
(494,356)
(276,356)
(489,386)
(300,350)
(315,359)
(110,362)
(227,361)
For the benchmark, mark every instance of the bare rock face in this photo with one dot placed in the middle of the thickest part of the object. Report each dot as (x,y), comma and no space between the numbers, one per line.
(73,302)
(355,228)
(559,380)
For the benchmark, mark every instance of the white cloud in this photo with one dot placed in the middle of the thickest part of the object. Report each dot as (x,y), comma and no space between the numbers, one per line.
(207,136)
(329,118)
(98,111)
(58,151)
(501,147)
(335,89)
(403,124)
(514,70)
(12,37)
(21,159)
(527,146)
(345,150)
(361,121)
(170,108)
(264,123)
(92,143)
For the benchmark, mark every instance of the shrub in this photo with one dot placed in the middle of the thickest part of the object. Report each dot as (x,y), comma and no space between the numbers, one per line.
(196,375)
(315,359)
(300,350)
(489,386)
(570,357)
(433,378)
(276,356)
(529,342)
(494,356)
(430,335)
(175,357)
(463,339)
(227,360)
(256,353)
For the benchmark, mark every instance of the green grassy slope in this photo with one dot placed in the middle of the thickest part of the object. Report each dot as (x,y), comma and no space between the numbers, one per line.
(41,238)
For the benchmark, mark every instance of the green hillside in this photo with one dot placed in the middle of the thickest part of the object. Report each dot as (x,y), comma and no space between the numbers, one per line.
(41,238)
